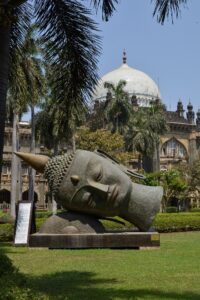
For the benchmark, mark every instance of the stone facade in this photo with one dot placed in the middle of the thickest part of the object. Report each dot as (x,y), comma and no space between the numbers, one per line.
(181,143)
(40,189)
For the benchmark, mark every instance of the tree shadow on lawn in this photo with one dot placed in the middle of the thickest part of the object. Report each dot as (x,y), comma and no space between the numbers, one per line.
(75,285)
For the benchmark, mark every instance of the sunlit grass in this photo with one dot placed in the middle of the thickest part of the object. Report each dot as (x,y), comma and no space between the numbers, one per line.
(172,272)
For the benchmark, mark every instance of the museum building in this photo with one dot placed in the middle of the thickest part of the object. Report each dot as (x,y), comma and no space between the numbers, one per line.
(180,144)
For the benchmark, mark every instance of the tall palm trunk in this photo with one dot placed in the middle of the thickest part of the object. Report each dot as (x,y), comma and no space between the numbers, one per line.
(14,167)
(31,171)
(152,163)
(157,157)
(4,70)
(54,204)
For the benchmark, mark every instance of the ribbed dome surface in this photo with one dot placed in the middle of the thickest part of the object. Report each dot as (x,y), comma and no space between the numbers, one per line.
(137,83)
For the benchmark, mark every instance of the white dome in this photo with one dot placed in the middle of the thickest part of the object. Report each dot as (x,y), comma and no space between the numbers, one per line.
(137,83)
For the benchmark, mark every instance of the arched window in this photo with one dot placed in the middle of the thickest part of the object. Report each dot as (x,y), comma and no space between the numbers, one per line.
(173,148)
(4,196)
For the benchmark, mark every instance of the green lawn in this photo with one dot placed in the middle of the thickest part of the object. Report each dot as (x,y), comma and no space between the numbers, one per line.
(171,272)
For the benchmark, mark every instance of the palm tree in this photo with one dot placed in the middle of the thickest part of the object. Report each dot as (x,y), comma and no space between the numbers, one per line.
(145,127)
(73,45)
(15,107)
(25,90)
(32,67)
(11,32)
(117,108)
(52,129)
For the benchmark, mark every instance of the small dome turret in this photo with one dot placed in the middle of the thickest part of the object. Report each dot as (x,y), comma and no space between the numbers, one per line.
(180,110)
(198,120)
(190,106)
(190,113)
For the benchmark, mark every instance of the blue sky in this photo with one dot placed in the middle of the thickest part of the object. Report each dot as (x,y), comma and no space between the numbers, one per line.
(168,53)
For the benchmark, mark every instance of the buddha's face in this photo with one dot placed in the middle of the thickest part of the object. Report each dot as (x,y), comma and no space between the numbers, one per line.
(95,185)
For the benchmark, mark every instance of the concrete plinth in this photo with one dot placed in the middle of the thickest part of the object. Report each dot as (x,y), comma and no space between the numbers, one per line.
(96,240)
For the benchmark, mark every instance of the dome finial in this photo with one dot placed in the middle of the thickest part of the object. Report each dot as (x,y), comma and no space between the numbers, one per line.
(124,57)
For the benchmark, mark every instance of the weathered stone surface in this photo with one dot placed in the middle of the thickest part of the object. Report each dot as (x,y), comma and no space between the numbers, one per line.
(71,223)
(100,240)
(94,183)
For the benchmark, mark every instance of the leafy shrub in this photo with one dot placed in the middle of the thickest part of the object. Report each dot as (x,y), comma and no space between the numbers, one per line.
(195,209)
(1,213)
(171,209)
(5,218)
(6,232)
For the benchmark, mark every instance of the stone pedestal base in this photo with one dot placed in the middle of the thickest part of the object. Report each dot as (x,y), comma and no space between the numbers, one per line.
(133,240)
(72,230)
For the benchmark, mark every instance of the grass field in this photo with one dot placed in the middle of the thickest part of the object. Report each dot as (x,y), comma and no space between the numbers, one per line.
(172,272)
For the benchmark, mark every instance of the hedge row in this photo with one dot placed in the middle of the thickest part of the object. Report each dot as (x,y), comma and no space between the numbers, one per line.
(195,209)
(177,222)
(7,230)
(164,222)
(43,214)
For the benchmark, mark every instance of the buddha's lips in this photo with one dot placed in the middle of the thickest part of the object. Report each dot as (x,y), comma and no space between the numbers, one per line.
(112,195)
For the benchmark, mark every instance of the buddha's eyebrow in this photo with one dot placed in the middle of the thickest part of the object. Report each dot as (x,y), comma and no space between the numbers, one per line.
(93,161)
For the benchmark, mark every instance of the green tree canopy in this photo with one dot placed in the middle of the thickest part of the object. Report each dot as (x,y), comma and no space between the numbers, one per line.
(100,139)
(111,143)
(173,182)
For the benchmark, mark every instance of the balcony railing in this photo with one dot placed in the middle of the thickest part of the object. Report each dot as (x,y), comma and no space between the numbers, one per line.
(5,206)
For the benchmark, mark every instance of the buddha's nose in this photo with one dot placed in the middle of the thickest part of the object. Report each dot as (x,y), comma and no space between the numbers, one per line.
(98,186)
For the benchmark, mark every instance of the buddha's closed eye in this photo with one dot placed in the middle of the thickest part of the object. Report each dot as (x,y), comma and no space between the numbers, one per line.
(98,173)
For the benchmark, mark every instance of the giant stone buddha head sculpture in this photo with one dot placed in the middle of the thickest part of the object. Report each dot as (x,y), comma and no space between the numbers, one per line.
(94,183)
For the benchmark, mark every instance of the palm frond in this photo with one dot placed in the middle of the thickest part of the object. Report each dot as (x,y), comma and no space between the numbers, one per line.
(165,8)
(72,47)
(27,86)
(107,7)
(21,21)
